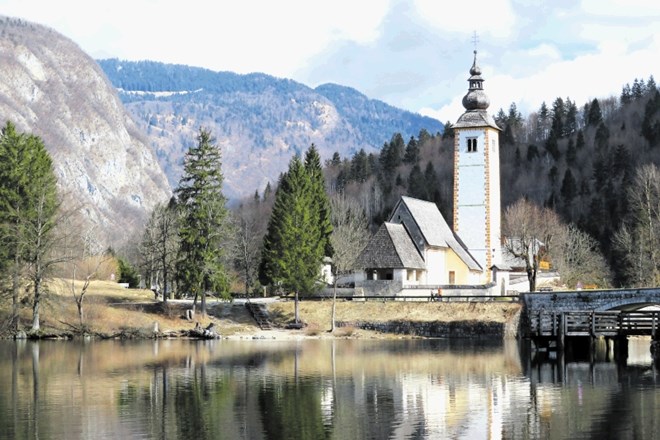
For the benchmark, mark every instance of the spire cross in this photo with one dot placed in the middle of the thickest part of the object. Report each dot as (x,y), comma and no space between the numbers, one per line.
(475,40)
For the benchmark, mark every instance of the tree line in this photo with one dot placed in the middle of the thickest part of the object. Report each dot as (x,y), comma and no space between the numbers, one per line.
(583,181)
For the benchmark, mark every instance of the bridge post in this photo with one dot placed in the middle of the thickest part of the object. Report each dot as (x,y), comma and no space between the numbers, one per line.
(621,349)
(655,338)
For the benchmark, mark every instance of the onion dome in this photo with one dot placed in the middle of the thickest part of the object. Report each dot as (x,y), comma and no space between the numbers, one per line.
(476,102)
(476,98)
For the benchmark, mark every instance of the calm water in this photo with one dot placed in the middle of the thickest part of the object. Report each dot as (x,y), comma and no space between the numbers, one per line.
(349,389)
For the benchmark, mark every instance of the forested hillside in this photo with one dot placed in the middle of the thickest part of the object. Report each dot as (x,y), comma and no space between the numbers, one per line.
(583,161)
(259,121)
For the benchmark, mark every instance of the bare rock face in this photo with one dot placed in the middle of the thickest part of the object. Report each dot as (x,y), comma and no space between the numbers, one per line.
(52,89)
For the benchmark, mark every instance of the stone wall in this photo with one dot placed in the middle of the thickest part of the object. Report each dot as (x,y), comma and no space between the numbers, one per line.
(434,329)
(592,300)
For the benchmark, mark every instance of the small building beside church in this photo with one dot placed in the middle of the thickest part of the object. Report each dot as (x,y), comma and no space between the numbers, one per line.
(417,251)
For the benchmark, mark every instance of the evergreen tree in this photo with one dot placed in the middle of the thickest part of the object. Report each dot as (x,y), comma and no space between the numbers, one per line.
(447,133)
(336,159)
(637,89)
(205,227)
(602,135)
(552,146)
(594,114)
(424,136)
(360,168)
(571,153)
(392,155)
(319,196)
(651,86)
(626,94)
(417,184)
(294,245)
(650,123)
(570,123)
(268,191)
(579,142)
(558,117)
(542,122)
(568,187)
(411,155)
(28,207)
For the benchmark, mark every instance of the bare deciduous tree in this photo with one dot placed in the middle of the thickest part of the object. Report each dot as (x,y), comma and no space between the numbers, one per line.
(638,241)
(159,247)
(349,237)
(531,232)
(250,221)
(578,259)
(87,266)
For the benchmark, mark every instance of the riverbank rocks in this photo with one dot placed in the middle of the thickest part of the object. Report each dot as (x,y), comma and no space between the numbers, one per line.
(205,333)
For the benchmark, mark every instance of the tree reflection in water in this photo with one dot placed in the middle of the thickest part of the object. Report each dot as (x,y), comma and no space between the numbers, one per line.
(316,390)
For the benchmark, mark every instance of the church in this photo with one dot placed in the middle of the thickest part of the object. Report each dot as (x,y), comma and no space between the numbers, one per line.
(415,250)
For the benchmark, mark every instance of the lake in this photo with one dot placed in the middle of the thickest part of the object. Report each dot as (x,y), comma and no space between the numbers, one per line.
(319,389)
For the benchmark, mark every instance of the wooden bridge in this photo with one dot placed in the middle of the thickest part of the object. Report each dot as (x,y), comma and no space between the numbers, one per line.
(595,324)
(559,320)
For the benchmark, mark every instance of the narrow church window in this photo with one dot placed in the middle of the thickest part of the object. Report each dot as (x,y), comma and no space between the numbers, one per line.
(452,277)
(472,145)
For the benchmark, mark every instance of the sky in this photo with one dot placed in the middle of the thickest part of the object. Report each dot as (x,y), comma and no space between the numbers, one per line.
(413,54)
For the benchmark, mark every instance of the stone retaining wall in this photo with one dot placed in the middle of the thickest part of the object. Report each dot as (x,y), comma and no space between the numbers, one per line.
(434,329)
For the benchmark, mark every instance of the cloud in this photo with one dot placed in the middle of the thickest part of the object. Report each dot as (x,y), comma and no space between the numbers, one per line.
(242,36)
(414,54)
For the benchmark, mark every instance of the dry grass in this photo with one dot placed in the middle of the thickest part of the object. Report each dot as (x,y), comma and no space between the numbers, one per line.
(110,309)
(318,313)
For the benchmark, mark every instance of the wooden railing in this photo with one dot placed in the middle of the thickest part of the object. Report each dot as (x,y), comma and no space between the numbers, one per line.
(609,323)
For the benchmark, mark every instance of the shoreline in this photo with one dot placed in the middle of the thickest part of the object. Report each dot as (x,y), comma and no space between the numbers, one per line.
(116,313)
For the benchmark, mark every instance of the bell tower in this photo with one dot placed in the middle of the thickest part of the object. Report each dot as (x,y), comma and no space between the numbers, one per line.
(477,209)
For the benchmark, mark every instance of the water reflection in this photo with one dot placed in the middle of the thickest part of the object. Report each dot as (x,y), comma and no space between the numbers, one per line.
(349,389)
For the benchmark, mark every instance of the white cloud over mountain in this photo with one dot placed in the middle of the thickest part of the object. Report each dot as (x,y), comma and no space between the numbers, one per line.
(413,54)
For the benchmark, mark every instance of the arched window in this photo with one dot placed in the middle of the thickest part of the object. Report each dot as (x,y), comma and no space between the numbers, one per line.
(471,145)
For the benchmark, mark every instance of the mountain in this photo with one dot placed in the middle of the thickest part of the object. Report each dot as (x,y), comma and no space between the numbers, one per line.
(51,88)
(259,121)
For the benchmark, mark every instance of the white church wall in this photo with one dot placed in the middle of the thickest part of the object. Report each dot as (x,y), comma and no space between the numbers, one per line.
(435,266)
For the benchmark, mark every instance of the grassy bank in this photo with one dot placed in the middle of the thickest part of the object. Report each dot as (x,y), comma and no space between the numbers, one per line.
(317,314)
(111,310)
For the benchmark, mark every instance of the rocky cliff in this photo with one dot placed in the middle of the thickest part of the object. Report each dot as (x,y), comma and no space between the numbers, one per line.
(51,88)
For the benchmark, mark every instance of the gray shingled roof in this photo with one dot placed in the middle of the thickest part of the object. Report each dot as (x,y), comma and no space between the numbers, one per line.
(391,248)
(475,118)
(435,229)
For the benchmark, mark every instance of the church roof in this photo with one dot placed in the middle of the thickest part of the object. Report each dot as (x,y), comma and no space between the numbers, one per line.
(476,118)
(391,248)
(435,229)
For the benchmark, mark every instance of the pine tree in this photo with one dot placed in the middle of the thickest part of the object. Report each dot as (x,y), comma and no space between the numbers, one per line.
(424,136)
(28,207)
(594,115)
(205,227)
(568,187)
(558,117)
(570,123)
(542,122)
(417,184)
(360,168)
(294,245)
(319,197)
(571,152)
(447,133)
(411,155)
